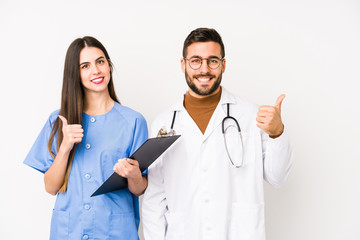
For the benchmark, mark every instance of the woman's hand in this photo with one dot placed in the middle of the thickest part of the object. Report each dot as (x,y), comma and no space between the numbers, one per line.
(55,175)
(72,134)
(129,168)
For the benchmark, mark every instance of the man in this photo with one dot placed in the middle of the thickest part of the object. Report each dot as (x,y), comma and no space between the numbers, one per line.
(209,185)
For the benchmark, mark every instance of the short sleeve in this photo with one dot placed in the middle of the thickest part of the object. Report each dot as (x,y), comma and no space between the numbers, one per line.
(140,135)
(39,157)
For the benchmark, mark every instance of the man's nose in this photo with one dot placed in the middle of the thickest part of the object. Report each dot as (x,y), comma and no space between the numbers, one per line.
(204,68)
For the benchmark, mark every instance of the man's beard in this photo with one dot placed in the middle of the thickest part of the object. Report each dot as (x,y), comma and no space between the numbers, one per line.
(201,92)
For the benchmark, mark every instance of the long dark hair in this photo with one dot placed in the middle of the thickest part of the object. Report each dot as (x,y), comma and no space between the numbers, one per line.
(72,96)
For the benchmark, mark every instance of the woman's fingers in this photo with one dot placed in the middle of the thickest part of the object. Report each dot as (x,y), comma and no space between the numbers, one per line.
(72,133)
(127,168)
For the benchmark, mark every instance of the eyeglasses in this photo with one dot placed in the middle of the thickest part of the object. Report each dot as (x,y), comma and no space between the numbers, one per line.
(212,62)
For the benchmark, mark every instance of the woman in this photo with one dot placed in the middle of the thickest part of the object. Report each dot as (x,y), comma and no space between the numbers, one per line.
(79,148)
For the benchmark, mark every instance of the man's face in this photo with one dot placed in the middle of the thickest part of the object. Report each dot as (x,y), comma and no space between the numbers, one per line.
(204,81)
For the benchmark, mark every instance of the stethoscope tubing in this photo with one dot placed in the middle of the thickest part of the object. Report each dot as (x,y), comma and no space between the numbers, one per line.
(223,131)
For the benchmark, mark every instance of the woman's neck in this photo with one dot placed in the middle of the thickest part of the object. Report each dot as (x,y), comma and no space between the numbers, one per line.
(97,104)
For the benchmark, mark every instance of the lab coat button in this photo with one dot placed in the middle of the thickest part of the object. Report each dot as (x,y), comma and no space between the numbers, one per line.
(87,146)
(208,228)
(87,206)
(206,200)
(92,119)
(85,237)
(87,176)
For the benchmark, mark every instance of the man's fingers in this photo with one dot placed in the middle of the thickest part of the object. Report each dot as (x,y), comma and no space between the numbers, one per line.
(266,108)
(261,125)
(279,101)
(264,114)
(64,121)
(260,119)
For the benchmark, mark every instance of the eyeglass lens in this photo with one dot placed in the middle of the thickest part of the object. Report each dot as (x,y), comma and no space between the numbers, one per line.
(196,62)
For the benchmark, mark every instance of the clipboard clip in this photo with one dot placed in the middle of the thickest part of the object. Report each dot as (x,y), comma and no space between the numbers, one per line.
(164,133)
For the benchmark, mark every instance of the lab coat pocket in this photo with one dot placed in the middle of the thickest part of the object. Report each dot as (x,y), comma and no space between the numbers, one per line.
(108,160)
(175,226)
(59,225)
(247,222)
(123,226)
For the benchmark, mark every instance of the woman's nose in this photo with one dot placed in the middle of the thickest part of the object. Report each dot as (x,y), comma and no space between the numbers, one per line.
(95,70)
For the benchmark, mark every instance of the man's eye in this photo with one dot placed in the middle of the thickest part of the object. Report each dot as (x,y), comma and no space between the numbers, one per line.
(196,60)
(214,60)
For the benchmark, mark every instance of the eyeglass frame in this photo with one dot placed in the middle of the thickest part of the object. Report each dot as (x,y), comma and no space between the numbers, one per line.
(207,61)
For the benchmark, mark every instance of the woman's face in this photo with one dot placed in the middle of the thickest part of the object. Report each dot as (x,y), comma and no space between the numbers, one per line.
(94,70)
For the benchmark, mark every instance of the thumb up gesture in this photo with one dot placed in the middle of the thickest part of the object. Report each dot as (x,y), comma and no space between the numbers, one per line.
(269,118)
(72,134)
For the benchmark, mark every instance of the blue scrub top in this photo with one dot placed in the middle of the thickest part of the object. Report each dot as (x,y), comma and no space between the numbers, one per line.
(76,215)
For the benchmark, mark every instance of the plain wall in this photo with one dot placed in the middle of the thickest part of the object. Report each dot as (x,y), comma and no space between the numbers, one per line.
(307,49)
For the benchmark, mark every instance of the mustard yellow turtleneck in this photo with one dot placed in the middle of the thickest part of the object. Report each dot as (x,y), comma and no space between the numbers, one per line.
(201,109)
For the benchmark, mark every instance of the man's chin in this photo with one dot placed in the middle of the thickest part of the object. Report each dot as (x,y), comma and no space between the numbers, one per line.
(203,92)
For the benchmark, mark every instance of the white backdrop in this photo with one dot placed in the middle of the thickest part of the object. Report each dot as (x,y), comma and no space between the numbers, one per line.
(307,49)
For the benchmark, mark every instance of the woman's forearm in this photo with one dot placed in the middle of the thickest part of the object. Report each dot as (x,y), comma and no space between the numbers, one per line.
(55,175)
(137,185)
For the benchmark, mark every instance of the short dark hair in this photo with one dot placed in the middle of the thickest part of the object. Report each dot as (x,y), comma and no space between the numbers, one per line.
(203,35)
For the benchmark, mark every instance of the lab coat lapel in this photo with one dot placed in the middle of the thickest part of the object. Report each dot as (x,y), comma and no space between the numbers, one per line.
(189,123)
(219,113)
(183,120)
(215,120)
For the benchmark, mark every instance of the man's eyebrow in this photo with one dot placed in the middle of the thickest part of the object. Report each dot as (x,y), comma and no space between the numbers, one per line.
(212,56)
(195,56)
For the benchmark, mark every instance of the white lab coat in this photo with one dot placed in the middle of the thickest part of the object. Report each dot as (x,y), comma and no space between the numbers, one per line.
(195,193)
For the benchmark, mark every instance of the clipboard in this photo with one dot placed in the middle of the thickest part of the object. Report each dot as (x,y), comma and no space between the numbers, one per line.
(146,154)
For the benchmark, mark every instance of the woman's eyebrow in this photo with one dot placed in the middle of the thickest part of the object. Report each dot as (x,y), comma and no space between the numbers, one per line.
(95,60)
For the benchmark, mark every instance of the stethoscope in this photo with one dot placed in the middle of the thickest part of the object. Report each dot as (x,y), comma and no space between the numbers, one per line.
(163,132)
(240,135)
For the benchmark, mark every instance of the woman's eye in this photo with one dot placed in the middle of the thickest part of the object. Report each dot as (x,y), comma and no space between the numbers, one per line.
(101,62)
(85,66)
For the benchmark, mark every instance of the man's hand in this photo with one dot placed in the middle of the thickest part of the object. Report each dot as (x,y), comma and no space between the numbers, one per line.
(269,118)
